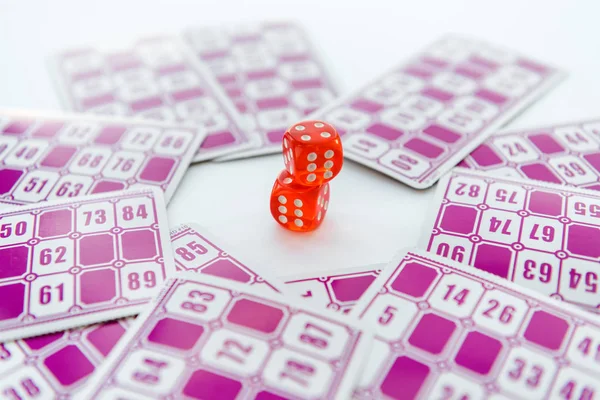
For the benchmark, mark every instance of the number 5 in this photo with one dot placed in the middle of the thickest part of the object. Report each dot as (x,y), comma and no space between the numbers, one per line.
(387,315)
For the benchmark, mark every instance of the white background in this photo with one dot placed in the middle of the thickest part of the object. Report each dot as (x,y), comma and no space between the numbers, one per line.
(370,216)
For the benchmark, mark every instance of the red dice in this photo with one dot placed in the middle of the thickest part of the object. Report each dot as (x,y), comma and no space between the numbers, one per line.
(313,155)
(312,152)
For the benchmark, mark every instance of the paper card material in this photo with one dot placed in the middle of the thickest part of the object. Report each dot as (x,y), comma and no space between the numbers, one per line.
(337,289)
(419,119)
(154,78)
(78,262)
(568,154)
(194,249)
(210,338)
(271,71)
(54,156)
(446,331)
(56,365)
(539,235)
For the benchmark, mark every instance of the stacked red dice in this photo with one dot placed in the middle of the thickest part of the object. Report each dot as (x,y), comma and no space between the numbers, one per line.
(313,155)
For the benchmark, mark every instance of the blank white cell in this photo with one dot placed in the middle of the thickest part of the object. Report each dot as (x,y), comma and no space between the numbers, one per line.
(300,70)
(312,98)
(403,119)
(280,118)
(454,83)
(92,87)
(476,107)
(179,81)
(402,83)
(266,88)
(133,76)
(137,91)
(163,114)
(199,109)
(86,62)
(386,95)
(348,119)
(419,104)
(460,121)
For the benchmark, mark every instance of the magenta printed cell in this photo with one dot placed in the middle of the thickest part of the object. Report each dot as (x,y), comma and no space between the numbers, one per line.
(111,134)
(96,249)
(441,133)
(268,396)
(13,261)
(418,72)
(255,315)
(227,269)
(58,157)
(539,171)
(104,337)
(158,169)
(424,148)
(188,94)
(350,289)
(261,74)
(175,333)
(546,203)
(546,330)
(55,223)
(98,286)
(138,245)
(546,143)
(459,219)
(206,385)
(14,308)
(490,96)
(146,104)
(275,136)
(483,62)
(218,139)
(385,132)
(414,279)
(366,105)
(308,84)
(17,127)
(532,65)
(103,186)
(69,365)
(485,156)
(478,352)
(95,101)
(8,179)
(469,71)
(48,129)
(432,333)
(434,62)
(437,94)
(404,379)
(594,160)
(493,259)
(583,240)
(278,102)
(39,342)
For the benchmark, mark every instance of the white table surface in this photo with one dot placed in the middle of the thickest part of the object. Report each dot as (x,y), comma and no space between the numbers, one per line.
(370,216)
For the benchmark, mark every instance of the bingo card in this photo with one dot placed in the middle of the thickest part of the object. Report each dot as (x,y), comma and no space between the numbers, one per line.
(271,72)
(214,339)
(568,154)
(443,331)
(539,235)
(337,289)
(194,249)
(56,365)
(421,118)
(60,156)
(81,261)
(155,78)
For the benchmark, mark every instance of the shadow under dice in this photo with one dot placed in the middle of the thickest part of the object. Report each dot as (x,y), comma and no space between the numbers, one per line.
(312,152)
(297,207)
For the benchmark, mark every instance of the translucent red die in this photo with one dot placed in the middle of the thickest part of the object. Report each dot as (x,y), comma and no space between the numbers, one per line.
(312,152)
(298,207)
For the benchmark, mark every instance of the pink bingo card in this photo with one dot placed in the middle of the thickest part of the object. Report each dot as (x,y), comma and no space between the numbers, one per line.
(78,262)
(155,78)
(272,73)
(214,339)
(337,289)
(194,249)
(542,236)
(60,156)
(568,154)
(422,117)
(56,365)
(443,331)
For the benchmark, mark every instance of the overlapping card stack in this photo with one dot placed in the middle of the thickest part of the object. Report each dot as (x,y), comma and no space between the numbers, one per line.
(500,302)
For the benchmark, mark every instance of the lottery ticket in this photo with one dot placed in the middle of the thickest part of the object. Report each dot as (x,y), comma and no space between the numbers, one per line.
(155,78)
(421,118)
(82,261)
(56,365)
(194,249)
(443,331)
(214,339)
(52,156)
(539,235)
(337,289)
(271,72)
(568,154)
